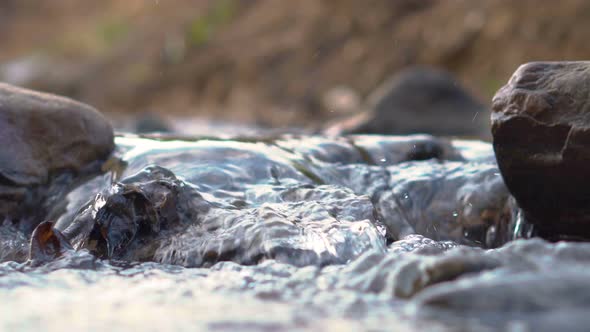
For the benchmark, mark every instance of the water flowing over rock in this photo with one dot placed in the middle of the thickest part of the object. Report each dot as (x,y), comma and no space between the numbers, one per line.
(47,244)
(464,202)
(46,141)
(541,129)
(302,200)
(339,233)
(418,100)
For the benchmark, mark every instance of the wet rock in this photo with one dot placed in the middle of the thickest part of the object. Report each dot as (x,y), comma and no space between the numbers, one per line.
(420,274)
(299,200)
(463,202)
(47,244)
(533,279)
(46,140)
(314,225)
(541,129)
(127,216)
(418,100)
(154,216)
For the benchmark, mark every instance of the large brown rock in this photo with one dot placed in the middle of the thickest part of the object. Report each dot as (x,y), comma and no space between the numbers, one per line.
(43,136)
(541,130)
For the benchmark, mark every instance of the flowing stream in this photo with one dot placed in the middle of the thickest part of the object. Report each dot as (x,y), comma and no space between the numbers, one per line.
(293,233)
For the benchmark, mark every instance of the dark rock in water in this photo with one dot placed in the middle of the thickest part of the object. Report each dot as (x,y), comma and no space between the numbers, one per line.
(47,244)
(541,129)
(418,100)
(132,212)
(152,123)
(46,139)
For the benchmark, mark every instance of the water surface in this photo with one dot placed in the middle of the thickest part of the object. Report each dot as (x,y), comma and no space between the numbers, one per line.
(294,233)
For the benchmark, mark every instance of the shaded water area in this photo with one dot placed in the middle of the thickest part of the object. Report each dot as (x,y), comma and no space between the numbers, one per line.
(293,232)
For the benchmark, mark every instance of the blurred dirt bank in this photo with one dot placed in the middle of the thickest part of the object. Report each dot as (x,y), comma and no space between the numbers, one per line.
(272,62)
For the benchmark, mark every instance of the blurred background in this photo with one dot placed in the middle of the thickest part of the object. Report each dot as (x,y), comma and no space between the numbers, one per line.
(273,63)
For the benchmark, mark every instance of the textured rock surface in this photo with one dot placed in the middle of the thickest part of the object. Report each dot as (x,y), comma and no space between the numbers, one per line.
(419,100)
(44,137)
(541,129)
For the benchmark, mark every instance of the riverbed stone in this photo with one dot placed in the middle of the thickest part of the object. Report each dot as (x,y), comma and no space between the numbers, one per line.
(541,131)
(418,100)
(43,137)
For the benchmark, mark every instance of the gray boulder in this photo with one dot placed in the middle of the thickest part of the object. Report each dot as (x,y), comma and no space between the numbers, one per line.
(44,139)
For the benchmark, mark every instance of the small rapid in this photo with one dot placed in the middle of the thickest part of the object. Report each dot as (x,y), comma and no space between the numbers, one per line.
(290,232)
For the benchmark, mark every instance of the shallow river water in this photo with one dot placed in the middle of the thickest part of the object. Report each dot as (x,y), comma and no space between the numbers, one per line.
(294,233)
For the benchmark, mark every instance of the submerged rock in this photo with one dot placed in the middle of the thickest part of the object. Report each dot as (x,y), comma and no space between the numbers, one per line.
(297,200)
(46,140)
(463,202)
(541,129)
(47,244)
(153,216)
(418,100)
(129,214)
